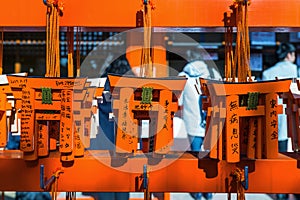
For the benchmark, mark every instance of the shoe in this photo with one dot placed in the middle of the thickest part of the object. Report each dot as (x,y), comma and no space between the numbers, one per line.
(208,196)
(282,196)
(196,195)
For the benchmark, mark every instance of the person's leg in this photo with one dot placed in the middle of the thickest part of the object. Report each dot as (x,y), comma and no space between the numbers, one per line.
(208,196)
(196,195)
(159,195)
(282,147)
(105,196)
(196,143)
(122,195)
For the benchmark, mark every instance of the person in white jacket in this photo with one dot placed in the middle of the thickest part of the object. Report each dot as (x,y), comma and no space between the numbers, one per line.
(192,116)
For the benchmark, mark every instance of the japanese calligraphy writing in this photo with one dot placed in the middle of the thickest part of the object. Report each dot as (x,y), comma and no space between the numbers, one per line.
(27,121)
(66,123)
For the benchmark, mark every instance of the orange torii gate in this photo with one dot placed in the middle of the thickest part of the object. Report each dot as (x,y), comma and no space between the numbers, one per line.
(5,106)
(292,100)
(242,118)
(53,109)
(153,99)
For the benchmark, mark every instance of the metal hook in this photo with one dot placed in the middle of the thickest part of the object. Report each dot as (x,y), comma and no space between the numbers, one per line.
(46,2)
(245,183)
(44,185)
(145,176)
(147,195)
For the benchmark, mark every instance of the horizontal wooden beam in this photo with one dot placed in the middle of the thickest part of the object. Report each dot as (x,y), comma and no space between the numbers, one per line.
(168,13)
(176,172)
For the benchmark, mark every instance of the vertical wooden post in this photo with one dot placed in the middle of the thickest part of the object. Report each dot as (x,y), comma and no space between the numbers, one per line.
(271,126)
(164,123)
(252,135)
(3,126)
(127,130)
(27,120)
(43,137)
(66,126)
(258,150)
(232,129)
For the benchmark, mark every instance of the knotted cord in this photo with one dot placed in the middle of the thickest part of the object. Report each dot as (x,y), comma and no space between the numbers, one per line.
(54,10)
(54,186)
(242,50)
(230,71)
(78,42)
(238,65)
(70,42)
(147,60)
(238,177)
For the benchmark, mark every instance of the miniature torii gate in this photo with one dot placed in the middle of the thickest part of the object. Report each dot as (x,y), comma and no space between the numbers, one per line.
(292,100)
(50,106)
(248,112)
(154,99)
(5,106)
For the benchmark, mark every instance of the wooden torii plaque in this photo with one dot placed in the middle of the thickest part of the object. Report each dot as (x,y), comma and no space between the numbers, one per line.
(136,99)
(52,110)
(243,118)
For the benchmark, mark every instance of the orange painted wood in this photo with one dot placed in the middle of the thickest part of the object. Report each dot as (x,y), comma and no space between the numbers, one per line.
(221,136)
(243,112)
(98,92)
(259,136)
(62,102)
(3,126)
(271,126)
(252,135)
(214,141)
(28,123)
(5,89)
(212,134)
(220,142)
(86,130)
(279,86)
(169,175)
(56,105)
(66,122)
(79,95)
(78,144)
(164,131)
(129,110)
(47,116)
(43,138)
(58,83)
(67,157)
(292,111)
(176,83)
(232,129)
(82,121)
(168,13)
(127,131)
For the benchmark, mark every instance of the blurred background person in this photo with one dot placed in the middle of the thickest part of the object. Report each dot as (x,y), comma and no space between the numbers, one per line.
(192,113)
